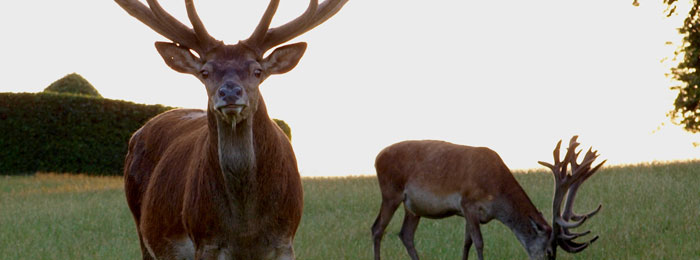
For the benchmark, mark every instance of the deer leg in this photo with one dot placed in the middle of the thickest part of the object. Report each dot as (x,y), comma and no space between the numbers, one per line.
(467,245)
(408,229)
(385,213)
(473,233)
(145,255)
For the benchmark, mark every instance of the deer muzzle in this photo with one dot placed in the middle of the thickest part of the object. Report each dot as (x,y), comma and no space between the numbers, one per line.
(231,100)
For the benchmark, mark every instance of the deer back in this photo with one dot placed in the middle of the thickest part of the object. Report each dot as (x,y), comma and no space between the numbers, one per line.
(477,174)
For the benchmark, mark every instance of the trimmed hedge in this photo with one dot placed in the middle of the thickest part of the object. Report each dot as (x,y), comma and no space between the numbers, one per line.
(73,83)
(53,132)
(69,133)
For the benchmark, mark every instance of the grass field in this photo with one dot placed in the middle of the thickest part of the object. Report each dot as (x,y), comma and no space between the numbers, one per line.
(649,212)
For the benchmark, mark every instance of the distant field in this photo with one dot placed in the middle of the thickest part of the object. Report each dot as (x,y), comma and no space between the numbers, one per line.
(649,212)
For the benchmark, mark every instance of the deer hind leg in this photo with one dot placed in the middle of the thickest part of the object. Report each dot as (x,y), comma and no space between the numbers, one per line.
(386,212)
(408,229)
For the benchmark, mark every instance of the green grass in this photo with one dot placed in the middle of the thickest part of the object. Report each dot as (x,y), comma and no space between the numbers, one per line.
(649,212)
(50,216)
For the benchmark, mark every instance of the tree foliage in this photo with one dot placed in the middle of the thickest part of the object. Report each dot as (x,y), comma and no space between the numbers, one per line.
(686,110)
(73,83)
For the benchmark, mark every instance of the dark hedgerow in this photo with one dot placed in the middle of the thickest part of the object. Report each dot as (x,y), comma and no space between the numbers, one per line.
(51,132)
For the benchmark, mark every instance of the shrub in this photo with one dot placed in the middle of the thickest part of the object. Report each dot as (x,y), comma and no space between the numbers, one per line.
(73,83)
(285,127)
(53,132)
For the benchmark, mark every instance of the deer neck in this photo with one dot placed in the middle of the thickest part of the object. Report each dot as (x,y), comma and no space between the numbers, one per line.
(234,153)
(516,212)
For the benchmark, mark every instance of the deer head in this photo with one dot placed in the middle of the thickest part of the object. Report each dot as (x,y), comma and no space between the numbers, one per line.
(566,183)
(231,74)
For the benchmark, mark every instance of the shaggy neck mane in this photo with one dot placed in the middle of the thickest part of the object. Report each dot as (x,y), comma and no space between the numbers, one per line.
(235,150)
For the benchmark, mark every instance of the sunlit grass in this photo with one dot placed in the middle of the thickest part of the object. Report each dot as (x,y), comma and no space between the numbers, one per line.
(649,212)
(53,216)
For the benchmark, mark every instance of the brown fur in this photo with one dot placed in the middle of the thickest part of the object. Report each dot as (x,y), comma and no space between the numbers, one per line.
(477,179)
(176,189)
(224,185)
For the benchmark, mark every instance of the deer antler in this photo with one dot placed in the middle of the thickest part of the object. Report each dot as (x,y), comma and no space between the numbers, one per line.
(162,22)
(199,40)
(265,38)
(565,182)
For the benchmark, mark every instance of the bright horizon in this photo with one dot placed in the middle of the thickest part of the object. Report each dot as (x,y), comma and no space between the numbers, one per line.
(513,76)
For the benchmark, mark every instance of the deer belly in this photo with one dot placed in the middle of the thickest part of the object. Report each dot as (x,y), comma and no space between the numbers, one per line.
(427,204)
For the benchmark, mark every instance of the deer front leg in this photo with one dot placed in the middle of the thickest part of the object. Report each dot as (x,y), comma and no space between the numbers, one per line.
(472,233)
(211,251)
(145,255)
(408,229)
(386,212)
(467,244)
(284,250)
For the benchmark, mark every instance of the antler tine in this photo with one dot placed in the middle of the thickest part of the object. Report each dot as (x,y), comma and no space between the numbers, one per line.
(203,36)
(574,247)
(144,14)
(265,38)
(574,163)
(572,236)
(575,217)
(314,15)
(556,167)
(567,225)
(546,164)
(327,10)
(556,153)
(155,17)
(183,34)
(258,35)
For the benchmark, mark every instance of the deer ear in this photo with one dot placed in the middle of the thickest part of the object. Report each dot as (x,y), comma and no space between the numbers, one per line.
(284,59)
(178,58)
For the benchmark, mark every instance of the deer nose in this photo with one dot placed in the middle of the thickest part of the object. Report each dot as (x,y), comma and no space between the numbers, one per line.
(231,90)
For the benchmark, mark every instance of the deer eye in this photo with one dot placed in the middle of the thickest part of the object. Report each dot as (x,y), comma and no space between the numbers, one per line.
(204,73)
(257,73)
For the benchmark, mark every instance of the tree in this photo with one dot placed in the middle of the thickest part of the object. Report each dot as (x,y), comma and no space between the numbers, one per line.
(73,83)
(686,110)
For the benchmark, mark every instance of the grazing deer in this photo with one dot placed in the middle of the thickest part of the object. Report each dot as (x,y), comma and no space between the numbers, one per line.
(436,179)
(221,183)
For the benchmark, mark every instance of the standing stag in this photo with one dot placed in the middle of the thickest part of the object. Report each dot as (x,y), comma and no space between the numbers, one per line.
(436,179)
(221,183)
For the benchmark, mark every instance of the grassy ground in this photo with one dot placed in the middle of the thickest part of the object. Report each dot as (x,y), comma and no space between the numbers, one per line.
(649,212)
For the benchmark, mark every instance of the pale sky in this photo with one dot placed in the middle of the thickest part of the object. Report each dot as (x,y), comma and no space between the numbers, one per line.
(515,76)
